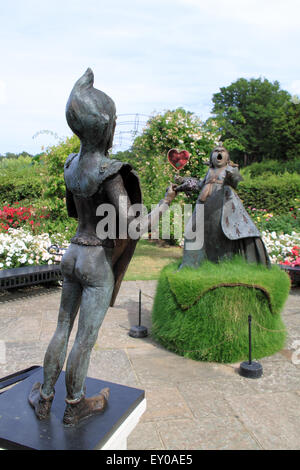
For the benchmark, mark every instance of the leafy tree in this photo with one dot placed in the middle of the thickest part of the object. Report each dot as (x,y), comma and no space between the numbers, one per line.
(124,156)
(55,158)
(14,156)
(178,129)
(251,115)
(287,125)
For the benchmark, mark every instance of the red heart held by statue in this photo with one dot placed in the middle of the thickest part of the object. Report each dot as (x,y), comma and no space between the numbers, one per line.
(178,159)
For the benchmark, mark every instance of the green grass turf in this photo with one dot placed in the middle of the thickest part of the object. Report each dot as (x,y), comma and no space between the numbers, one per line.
(197,316)
(149,259)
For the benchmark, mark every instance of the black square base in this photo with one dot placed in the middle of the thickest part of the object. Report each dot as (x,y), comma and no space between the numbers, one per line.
(20,428)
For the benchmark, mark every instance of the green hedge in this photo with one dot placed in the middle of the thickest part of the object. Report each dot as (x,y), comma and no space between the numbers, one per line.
(22,180)
(43,184)
(24,190)
(277,167)
(275,193)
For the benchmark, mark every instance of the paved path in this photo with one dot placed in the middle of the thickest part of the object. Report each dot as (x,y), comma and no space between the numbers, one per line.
(191,405)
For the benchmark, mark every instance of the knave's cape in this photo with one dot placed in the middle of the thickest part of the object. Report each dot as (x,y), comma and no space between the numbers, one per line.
(125,247)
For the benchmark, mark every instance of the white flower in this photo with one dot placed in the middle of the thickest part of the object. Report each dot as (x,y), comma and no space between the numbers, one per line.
(21,247)
(279,250)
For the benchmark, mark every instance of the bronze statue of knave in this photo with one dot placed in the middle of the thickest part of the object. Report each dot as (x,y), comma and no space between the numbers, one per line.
(93,268)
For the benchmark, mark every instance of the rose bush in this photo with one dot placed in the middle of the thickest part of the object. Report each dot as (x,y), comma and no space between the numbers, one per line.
(15,215)
(173,129)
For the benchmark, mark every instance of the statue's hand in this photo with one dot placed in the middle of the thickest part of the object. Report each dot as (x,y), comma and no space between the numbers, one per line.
(228,176)
(170,193)
(232,177)
(179,179)
(188,185)
(181,187)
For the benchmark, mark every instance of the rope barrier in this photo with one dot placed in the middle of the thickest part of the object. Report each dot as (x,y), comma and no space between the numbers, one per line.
(227,339)
(147,295)
(267,329)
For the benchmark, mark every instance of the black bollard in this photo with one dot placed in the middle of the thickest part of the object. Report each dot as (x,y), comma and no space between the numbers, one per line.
(139,331)
(250,369)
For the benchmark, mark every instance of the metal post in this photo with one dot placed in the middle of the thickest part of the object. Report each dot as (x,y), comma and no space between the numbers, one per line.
(250,347)
(250,369)
(140,307)
(139,331)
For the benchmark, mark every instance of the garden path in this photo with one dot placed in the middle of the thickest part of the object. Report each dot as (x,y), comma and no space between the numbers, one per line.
(190,404)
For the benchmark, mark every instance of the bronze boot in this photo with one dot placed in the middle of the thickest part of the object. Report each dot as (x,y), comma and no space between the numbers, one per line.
(84,407)
(40,402)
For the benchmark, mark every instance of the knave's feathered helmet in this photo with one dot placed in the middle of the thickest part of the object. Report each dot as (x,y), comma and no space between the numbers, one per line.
(91,114)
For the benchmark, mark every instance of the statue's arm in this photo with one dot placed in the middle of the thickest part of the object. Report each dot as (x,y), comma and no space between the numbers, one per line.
(189,184)
(233,177)
(115,188)
(71,209)
(150,221)
(118,197)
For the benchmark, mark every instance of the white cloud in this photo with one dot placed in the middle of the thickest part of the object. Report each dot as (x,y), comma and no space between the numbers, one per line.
(3,95)
(148,55)
(274,15)
(294,87)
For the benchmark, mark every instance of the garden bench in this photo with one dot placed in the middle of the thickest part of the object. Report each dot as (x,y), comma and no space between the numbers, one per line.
(31,275)
(294,273)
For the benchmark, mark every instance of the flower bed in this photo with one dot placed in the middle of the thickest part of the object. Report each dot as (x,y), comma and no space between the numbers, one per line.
(19,247)
(15,216)
(282,248)
(287,222)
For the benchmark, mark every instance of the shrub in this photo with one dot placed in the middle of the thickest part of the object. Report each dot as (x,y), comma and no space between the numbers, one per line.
(275,193)
(276,167)
(281,223)
(21,182)
(55,159)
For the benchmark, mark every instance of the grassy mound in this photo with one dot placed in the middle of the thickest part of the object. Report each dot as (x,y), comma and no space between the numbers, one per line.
(203,313)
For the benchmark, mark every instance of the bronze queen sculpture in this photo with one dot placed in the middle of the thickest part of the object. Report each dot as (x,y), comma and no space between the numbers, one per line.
(228,230)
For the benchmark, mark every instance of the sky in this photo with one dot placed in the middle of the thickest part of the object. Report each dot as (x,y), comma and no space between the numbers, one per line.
(147,55)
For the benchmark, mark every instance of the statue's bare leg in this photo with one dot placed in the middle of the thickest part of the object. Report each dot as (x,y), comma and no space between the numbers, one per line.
(94,305)
(41,396)
(57,349)
(94,270)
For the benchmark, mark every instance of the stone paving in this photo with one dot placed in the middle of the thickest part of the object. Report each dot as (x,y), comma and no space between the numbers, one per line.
(190,404)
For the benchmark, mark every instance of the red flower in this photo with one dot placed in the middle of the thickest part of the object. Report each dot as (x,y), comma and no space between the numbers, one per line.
(286,262)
